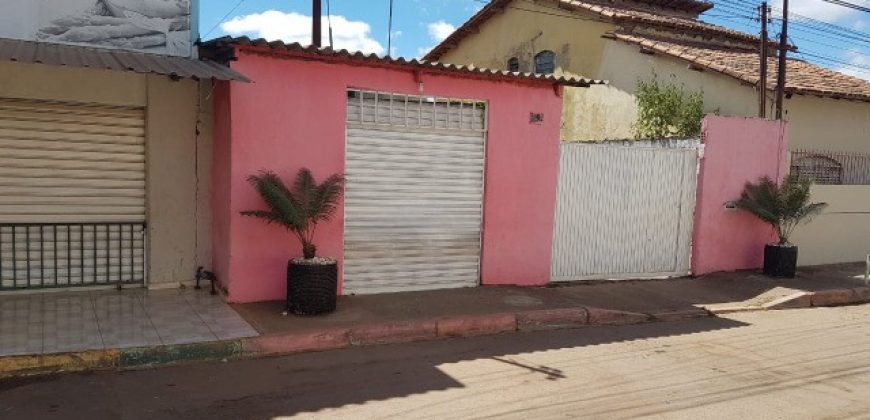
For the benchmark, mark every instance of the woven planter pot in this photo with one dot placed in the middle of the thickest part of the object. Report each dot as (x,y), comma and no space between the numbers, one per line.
(780,261)
(312,289)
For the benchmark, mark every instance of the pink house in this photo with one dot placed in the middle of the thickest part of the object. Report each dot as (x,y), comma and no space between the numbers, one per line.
(451,171)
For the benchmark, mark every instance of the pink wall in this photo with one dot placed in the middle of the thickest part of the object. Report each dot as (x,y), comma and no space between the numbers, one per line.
(293,115)
(737,150)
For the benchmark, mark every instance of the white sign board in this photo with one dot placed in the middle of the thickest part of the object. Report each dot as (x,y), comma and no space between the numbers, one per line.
(152,26)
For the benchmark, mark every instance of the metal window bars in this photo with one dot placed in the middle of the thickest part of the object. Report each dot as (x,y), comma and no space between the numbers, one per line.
(832,168)
(378,108)
(45,255)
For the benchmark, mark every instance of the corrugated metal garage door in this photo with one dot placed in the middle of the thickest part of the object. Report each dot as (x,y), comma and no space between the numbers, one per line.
(72,194)
(414,194)
(624,210)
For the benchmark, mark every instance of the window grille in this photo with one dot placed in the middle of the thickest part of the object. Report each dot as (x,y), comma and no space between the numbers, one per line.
(380,108)
(514,64)
(831,168)
(545,62)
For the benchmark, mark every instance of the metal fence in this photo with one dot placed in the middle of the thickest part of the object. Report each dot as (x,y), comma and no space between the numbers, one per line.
(831,168)
(41,255)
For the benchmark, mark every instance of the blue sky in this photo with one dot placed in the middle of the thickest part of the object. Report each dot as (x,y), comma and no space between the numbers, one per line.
(420,24)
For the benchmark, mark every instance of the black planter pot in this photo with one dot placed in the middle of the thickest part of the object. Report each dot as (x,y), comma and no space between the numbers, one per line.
(312,289)
(780,261)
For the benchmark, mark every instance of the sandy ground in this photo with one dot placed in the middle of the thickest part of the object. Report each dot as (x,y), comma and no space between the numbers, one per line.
(796,364)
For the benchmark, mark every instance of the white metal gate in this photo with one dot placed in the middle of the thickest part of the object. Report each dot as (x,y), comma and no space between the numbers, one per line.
(414,193)
(624,210)
(72,194)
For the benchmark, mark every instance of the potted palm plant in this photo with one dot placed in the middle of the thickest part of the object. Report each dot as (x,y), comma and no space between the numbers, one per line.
(312,281)
(783,206)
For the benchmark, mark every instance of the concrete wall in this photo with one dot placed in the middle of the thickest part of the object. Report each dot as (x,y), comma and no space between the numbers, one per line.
(523,33)
(842,232)
(294,116)
(731,239)
(220,183)
(176,206)
(608,112)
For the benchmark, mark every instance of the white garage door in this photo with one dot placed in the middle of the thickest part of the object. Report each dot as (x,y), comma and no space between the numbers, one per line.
(72,194)
(414,194)
(624,210)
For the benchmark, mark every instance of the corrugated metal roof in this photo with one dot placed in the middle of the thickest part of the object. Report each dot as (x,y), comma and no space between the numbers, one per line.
(106,59)
(217,46)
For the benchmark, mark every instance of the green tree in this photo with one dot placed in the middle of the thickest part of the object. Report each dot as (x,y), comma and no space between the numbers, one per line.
(667,110)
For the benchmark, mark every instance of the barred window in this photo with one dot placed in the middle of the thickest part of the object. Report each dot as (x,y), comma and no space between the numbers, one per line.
(513,64)
(820,169)
(545,62)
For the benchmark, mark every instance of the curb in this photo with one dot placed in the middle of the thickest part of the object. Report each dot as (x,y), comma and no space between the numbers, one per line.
(822,298)
(338,338)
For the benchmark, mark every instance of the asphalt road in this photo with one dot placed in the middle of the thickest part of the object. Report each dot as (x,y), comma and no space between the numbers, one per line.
(806,363)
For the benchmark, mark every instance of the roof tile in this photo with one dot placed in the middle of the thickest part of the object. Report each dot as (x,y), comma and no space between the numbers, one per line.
(803,78)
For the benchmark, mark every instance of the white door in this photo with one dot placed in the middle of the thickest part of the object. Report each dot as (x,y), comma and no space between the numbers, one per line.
(72,194)
(414,193)
(624,210)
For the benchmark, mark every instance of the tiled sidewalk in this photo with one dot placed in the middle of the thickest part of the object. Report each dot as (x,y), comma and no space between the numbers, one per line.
(91,320)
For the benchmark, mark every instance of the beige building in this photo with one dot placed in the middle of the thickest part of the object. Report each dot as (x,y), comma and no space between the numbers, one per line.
(624,42)
(104,166)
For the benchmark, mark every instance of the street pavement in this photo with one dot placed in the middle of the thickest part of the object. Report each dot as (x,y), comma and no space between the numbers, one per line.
(792,364)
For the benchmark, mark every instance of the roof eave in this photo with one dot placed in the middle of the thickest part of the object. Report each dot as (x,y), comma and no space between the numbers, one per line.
(295,50)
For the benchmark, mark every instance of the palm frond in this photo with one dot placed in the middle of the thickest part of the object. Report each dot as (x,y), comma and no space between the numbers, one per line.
(284,207)
(300,208)
(266,215)
(782,206)
(327,196)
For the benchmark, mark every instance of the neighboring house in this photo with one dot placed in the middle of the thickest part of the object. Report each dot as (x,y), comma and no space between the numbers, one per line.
(104,145)
(624,42)
(451,171)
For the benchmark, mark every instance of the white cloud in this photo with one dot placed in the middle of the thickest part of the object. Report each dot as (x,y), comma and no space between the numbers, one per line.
(857,59)
(440,30)
(421,51)
(816,9)
(294,27)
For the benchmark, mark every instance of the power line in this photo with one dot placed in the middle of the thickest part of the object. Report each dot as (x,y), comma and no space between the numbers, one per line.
(224,18)
(738,5)
(849,5)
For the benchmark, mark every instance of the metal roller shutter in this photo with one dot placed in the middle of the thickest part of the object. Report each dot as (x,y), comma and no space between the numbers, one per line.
(72,194)
(414,194)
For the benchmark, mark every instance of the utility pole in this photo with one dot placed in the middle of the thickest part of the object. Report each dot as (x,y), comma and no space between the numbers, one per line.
(315,23)
(390,31)
(783,50)
(762,76)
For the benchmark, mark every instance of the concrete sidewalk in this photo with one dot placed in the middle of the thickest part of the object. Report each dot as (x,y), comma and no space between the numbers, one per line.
(431,315)
(659,299)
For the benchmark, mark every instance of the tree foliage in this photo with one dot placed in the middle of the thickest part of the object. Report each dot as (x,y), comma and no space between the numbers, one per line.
(667,110)
(300,208)
(782,206)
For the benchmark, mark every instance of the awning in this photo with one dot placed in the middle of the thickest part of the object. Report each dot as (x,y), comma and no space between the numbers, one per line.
(106,59)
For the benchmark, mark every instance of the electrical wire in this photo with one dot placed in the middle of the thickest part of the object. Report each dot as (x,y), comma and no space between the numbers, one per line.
(846,4)
(224,18)
(734,13)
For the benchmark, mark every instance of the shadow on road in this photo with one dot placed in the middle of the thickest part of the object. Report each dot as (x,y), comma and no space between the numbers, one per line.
(283,386)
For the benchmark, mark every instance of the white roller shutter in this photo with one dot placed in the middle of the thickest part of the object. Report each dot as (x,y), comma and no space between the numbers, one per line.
(72,193)
(414,194)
